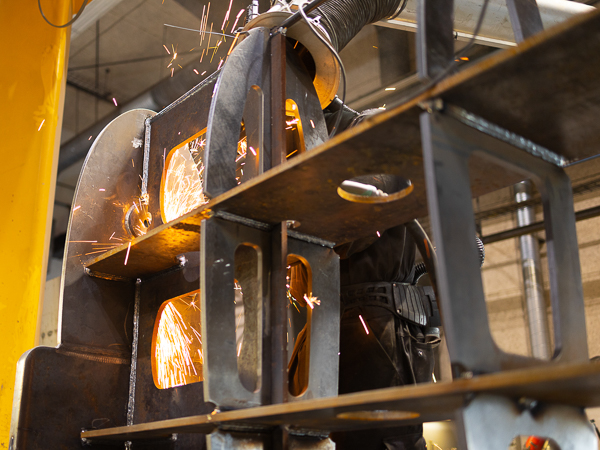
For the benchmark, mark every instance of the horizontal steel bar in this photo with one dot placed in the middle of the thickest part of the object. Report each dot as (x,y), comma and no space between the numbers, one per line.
(537,226)
(573,384)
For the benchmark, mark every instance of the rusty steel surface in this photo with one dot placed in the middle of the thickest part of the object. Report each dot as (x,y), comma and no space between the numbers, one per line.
(153,252)
(575,385)
(511,88)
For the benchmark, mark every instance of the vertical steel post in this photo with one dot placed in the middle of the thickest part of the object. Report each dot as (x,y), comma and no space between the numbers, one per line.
(278,62)
(525,18)
(435,40)
(279,358)
(279,379)
(532,277)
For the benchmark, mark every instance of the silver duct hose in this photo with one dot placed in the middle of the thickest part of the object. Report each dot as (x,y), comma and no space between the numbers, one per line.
(343,19)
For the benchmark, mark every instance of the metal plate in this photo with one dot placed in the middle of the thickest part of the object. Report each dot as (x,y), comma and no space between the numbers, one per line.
(108,186)
(534,105)
(576,385)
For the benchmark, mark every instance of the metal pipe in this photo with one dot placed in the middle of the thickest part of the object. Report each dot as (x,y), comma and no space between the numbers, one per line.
(536,226)
(496,30)
(532,277)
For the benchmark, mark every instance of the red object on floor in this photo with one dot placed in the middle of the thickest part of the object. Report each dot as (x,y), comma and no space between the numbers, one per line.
(534,443)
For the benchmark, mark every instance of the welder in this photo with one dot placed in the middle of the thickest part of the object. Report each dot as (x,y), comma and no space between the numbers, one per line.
(385,340)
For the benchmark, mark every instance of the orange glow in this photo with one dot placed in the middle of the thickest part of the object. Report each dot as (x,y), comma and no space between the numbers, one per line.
(177,357)
(182,188)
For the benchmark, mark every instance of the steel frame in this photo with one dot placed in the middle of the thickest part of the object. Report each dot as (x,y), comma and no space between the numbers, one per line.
(447,145)
(449,139)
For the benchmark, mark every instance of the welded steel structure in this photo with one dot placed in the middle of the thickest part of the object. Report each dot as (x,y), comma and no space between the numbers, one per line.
(525,112)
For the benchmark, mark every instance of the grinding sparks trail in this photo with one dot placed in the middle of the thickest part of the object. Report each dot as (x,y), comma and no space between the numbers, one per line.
(237,19)
(311,301)
(127,255)
(364,324)
(115,101)
(184,188)
(227,15)
(41,124)
(177,352)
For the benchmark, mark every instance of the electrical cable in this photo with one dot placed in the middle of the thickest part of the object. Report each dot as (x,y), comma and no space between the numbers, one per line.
(342,69)
(70,22)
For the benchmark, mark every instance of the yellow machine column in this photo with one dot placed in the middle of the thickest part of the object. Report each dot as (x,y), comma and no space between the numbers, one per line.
(32,82)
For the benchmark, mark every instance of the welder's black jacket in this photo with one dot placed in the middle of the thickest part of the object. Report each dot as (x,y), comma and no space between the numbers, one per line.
(394,353)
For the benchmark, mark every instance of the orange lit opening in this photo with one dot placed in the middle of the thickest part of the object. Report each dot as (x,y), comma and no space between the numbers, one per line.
(301,306)
(177,357)
(294,132)
(182,186)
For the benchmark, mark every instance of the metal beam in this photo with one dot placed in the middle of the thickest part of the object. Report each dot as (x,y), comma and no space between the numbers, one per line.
(494,32)
(32,95)
(537,226)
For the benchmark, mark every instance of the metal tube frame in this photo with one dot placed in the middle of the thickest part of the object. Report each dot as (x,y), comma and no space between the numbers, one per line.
(448,145)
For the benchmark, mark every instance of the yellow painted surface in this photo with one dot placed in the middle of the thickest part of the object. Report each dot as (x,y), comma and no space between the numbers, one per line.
(32,76)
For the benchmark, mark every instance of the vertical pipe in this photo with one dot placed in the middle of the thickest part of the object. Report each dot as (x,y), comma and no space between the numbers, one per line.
(532,277)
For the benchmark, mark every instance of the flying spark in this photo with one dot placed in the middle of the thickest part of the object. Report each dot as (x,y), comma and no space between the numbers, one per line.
(178,346)
(127,255)
(184,189)
(236,19)
(364,324)
(227,15)
(41,124)
(311,301)
(115,101)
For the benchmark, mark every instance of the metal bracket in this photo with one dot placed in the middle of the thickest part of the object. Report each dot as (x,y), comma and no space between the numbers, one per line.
(233,381)
(491,422)
(448,145)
